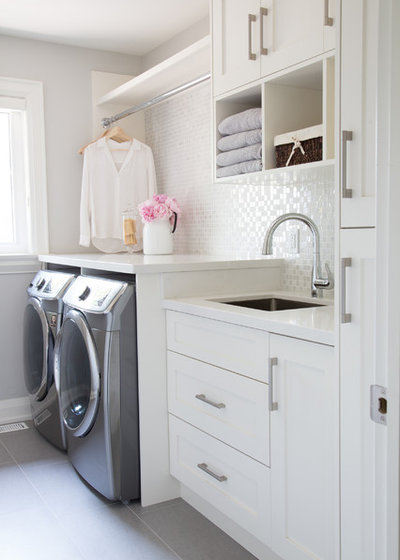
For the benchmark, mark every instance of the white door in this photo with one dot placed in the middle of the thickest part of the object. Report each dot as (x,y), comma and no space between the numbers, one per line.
(304,450)
(236,38)
(359,30)
(292,31)
(357,374)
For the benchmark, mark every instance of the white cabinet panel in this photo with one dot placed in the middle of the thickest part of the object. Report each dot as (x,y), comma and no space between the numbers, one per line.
(357,359)
(228,406)
(241,490)
(304,451)
(359,39)
(225,345)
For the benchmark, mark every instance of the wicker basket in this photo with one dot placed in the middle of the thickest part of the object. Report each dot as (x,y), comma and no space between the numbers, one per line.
(300,146)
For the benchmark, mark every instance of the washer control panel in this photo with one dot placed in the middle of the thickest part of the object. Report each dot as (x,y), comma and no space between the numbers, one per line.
(97,295)
(49,284)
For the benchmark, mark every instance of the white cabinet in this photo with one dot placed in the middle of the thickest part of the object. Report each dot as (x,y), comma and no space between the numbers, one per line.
(253,38)
(304,450)
(359,67)
(357,359)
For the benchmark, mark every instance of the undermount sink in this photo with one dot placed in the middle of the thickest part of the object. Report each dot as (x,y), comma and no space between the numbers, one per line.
(272,303)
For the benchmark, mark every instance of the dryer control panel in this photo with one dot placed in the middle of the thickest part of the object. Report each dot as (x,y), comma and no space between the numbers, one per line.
(97,295)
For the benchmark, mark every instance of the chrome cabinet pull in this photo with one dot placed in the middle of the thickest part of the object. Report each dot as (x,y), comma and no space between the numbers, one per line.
(219,477)
(271,404)
(252,19)
(345,317)
(263,13)
(347,135)
(203,398)
(327,20)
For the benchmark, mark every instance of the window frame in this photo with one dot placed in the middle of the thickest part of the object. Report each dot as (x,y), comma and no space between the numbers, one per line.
(32,93)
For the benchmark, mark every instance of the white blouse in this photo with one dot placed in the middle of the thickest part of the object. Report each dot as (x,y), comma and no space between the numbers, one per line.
(109,187)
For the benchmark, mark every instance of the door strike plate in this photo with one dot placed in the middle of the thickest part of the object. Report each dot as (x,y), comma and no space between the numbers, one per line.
(379,404)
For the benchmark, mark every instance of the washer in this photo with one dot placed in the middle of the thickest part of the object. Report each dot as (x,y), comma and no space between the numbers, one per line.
(96,379)
(42,321)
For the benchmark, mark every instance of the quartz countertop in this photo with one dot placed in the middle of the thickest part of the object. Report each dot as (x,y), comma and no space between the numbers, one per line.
(147,264)
(312,323)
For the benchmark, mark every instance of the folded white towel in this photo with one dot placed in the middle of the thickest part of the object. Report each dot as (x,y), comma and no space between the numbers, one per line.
(241,154)
(239,140)
(238,168)
(245,120)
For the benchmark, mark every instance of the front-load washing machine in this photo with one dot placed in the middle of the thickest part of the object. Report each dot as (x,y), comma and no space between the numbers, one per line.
(42,320)
(96,379)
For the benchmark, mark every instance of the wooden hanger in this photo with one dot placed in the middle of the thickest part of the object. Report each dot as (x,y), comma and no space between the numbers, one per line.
(114,133)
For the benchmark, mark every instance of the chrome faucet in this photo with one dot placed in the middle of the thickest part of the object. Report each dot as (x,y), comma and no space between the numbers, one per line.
(318,283)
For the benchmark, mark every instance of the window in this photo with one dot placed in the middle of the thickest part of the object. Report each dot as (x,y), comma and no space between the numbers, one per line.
(23,207)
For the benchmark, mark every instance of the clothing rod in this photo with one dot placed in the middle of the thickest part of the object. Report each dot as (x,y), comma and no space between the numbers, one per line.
(108,121)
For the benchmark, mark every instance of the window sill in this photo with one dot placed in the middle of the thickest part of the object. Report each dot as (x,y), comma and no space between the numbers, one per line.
(18,264)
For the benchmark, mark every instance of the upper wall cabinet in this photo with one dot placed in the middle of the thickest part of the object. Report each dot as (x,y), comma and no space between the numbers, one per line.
(254,38)
(359,71)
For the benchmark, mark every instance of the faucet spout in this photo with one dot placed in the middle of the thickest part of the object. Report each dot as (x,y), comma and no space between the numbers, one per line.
(318,283)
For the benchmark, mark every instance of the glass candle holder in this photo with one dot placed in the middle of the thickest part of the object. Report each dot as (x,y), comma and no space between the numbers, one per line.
(129,230)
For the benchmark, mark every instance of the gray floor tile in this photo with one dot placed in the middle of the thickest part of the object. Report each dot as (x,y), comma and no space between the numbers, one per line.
(28,446)
(192,536)
(5,457)
(35,536)
(114,533)
(137,507)
(62,489)
(16,492)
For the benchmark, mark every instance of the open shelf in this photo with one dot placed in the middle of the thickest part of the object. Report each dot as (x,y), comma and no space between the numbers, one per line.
(293,100)
(186,65)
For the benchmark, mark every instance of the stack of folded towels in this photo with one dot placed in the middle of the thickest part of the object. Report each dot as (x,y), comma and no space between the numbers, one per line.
(240,145)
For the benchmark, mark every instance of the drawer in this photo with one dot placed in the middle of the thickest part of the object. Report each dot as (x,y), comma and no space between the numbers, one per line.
(228,406)
(235,484)
(240,349)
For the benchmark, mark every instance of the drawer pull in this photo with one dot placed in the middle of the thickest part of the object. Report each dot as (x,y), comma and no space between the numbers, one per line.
(347,136)
(271,404)
(251,19)
(203,398)
(219,477)
(263,13)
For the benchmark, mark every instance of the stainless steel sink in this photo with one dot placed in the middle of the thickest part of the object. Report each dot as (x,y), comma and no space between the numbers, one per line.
(272,303)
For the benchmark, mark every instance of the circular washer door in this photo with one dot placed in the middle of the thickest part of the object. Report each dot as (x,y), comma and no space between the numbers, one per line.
(77,374)
(38,350)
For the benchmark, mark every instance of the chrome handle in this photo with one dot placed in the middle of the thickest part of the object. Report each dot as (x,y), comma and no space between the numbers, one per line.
(219,477)
(347,135)
(271,404)
(263,13)
(345,317)
(252,18)
(327,20)
(203,398)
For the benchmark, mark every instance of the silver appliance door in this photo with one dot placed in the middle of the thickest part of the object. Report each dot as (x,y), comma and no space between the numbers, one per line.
(38,350)
(77,374)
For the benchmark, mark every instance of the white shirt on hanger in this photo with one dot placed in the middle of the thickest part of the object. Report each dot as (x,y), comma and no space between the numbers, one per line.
(112,182)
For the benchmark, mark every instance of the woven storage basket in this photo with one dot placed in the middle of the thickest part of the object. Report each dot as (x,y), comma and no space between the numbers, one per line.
(289,147)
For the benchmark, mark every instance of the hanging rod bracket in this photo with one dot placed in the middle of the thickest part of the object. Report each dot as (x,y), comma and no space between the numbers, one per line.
(106,122)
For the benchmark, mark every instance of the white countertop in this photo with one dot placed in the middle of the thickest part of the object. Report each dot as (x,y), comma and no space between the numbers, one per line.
(145,264)
(312,323)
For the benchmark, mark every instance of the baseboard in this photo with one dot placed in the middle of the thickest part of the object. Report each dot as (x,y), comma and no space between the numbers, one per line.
(14,410)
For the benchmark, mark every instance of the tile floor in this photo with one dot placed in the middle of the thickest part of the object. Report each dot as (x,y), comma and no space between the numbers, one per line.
(48,513)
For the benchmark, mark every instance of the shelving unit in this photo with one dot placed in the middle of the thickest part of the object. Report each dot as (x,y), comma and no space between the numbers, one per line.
(296,98)
(186,65)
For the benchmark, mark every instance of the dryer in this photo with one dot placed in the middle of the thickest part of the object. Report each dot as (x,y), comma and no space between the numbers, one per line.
(97,382)
(42,321)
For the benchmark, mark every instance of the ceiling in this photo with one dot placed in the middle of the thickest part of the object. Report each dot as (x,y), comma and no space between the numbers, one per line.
(125,26)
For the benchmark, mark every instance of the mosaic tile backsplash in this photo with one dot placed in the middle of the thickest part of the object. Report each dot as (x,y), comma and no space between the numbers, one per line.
(231,219)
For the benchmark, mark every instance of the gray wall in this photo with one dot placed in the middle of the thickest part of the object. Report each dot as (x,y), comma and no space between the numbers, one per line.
(66,76)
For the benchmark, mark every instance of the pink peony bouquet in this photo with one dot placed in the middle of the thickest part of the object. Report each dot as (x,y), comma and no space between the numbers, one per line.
(160,207)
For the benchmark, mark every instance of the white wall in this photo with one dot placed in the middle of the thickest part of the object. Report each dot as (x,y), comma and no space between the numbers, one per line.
(66,76)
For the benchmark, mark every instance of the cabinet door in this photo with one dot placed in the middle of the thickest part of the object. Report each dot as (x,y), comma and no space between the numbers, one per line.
(292,31)
(236,54)
(359,30)
(357,358)
(304,450)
